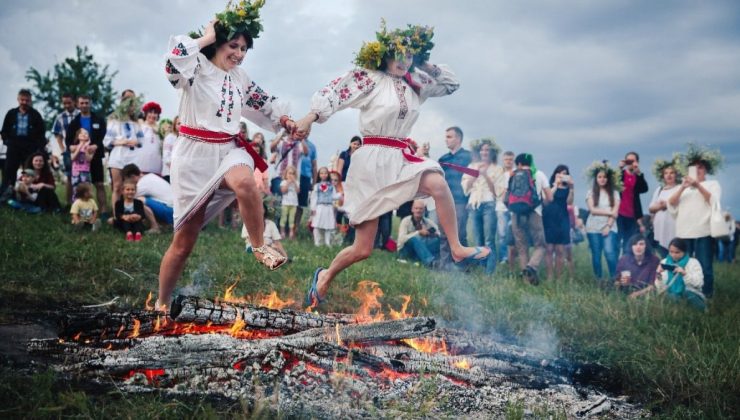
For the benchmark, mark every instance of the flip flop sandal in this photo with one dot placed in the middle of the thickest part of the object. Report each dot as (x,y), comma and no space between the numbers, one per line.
(312,296)
(270,257)
(471,258)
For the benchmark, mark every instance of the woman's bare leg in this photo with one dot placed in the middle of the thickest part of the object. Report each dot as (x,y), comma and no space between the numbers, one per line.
(240,180)
(360,249)
(549,263)
(177,254)
(434,184)
(559,259)
(116,184)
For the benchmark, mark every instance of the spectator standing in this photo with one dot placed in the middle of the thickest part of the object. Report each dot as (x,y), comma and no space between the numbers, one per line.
(23,133)
(308,172)
(84,210)
(129,212)
(726,251)
(629,220)
(556,220)
(503,217)
(290,187)
(481,192)
(61,124)
(664,224)
(417,236)
(124,138)
(170,138)
(97,128)
(81,154)
(149,156)
(692,206)
(323,215)
(460,157)
(603,207)
(528,190)
(261,178)
(636,270)
(345,158)
(680,276)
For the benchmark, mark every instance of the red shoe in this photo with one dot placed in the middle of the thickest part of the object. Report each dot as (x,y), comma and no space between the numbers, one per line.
(137,237)
(129,236)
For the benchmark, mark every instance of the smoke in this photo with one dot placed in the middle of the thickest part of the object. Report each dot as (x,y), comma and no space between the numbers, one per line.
(200,282)
(539,334)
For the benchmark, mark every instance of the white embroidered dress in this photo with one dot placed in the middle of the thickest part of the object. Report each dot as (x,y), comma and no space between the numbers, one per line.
(149,157)
(212,100)
(121,156)
(380,178)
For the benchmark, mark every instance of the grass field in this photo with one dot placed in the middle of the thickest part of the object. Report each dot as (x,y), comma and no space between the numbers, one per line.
(678,362)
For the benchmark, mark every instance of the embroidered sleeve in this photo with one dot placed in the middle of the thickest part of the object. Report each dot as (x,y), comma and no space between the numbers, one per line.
(182,61)
(440,81)
(259,106)
(349,91)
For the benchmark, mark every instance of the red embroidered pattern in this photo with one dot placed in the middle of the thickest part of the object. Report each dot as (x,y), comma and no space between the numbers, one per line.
(401,93)
(180,50)
(257,98)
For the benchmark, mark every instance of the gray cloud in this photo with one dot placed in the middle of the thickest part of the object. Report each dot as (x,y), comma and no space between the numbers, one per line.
(571,81)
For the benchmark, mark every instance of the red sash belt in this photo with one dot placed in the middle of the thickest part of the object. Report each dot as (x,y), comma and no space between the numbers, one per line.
(403,144)
(221,138)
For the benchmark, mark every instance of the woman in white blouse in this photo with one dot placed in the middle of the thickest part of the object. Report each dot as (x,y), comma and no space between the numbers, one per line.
(385,172)
(664,224)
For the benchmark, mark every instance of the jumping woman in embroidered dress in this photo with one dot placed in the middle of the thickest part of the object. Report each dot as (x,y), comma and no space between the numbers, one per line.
(395,81)
(208,168)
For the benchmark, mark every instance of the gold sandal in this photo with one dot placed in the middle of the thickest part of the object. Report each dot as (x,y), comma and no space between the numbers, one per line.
(270,257)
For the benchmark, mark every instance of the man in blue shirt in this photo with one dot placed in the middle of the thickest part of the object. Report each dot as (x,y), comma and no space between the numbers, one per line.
(461,157)
(23,133)
(308,170)
(61,123)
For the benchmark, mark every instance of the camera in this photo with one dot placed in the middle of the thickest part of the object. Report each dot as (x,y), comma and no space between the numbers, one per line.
(629,161)
(564,179)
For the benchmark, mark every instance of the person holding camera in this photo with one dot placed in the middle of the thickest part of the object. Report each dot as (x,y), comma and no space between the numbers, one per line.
(680,276)
(629,217)
(556,221)
(417,236)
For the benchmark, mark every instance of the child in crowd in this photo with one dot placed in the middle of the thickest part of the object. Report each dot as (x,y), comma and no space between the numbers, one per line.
(84,210)
(271,233)
(323,216)
(289,187)
(680,276)
(340,215)
(25,194)
(82,152)
(130,212)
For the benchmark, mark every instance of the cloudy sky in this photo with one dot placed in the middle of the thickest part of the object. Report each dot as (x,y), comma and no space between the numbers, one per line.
(569,81)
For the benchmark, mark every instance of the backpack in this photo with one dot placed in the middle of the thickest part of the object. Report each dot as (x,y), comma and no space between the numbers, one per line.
(522,197)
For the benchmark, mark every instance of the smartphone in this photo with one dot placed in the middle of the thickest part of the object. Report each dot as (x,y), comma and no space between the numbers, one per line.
(668,267)
(629,161)
(692,171)
(564,179)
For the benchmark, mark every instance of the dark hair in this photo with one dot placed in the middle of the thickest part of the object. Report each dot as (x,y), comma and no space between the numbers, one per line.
(524,159)
(261,150)
(68,95)
(637,238)
(352,140)
(24,92)
(130,170)
(679,243)
(637,157)
(596,190)
(125,91)
(45,173)
(458,132)
(84,96)
(83,190)
(558,169)
(210,50)
(702,162)
(508,153)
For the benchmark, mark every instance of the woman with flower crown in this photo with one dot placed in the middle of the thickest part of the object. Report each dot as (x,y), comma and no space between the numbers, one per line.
(210,167)
(393,79)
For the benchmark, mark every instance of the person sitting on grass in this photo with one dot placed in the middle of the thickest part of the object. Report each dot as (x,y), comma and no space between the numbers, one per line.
(155,193)
(417,236)
(84,209)
(129,212)
(271,233)
(25,194)
(636,269)
(680,276)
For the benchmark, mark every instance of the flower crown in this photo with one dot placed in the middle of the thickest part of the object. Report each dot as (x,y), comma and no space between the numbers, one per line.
(151,106)
(415,40)
(660,165)
(478,143)
(128,106)
(711,158)
(603,166)
(240,17)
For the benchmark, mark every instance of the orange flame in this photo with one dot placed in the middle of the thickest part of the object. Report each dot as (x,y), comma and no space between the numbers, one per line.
(77,336)
(402,314)
(148,304)
(427,345)
(238,326)
(157,325)
(120,331)
(367,293)
(272,301)
(462,364)
(137,326)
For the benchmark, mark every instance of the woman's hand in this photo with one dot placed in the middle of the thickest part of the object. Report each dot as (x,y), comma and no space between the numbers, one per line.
(605,231)
(302,127)
(679,270)
(209,37)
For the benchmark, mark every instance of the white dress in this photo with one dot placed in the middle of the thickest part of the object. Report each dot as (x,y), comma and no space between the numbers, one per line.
(212,100)
(149,156)
(322,204)
(380,179)
(121,156)
(167,145)
(664,223)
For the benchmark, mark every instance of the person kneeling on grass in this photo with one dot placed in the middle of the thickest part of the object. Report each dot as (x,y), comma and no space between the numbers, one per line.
(25,194)
(636,269)
(84,210)
(130,212)
(271,233)
(155,193)
(417,236)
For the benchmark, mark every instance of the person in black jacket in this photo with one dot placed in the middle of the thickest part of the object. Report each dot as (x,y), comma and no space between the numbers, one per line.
(96,126)
(629,220)
(23,133)
(130,212)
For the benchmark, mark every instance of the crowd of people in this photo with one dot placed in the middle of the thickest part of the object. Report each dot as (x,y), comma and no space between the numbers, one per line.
(191,169)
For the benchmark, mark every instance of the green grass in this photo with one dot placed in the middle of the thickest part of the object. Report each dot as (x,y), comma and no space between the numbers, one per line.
(679,362)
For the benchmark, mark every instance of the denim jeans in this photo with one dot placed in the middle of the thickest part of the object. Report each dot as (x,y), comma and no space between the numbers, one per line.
(424,249)
(528,228)
(162,211)
(701,249)
(627,228)
(726,251)
(609,246)
(503,223)
(484,231)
